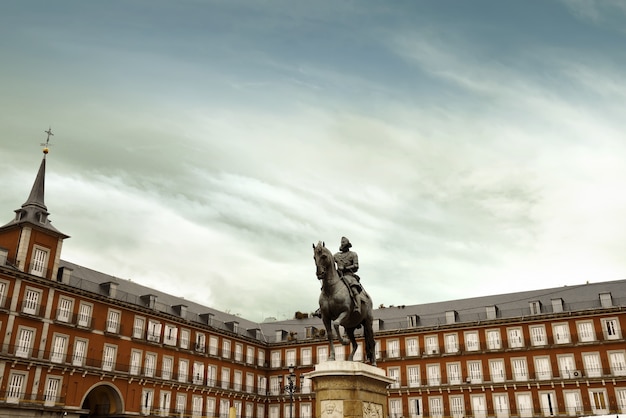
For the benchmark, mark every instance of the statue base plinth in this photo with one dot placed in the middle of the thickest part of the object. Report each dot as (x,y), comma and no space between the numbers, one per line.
(349,389)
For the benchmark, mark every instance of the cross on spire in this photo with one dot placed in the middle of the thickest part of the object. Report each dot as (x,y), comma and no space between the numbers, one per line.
(47,144)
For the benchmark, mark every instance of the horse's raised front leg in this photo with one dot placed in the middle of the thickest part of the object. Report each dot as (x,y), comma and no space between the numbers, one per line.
(336,323)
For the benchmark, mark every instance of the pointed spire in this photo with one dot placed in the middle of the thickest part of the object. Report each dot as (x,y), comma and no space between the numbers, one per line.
(36,197)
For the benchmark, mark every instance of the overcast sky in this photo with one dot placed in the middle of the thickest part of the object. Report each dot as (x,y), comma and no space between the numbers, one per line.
(466,148)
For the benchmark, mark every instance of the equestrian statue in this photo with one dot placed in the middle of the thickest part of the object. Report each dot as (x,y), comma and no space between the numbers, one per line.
(343,301)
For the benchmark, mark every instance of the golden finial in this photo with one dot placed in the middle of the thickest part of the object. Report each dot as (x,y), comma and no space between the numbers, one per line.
(46,145)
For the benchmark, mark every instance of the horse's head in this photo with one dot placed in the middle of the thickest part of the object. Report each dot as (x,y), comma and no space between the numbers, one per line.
(324,260)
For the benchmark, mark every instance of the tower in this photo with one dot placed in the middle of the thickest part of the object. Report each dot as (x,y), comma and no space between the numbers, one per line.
(29,242)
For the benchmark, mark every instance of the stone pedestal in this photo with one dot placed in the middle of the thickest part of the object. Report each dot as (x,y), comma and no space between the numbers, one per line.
(349,389)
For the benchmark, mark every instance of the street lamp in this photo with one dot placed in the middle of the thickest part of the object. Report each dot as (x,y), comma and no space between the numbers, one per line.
(291,387)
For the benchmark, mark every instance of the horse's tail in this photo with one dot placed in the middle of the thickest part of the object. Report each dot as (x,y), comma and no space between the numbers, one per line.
(370,342)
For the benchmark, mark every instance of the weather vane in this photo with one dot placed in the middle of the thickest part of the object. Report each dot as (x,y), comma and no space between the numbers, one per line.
(46,145)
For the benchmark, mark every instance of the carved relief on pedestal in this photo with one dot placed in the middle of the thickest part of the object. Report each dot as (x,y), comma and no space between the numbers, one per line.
(332,408)
(372,410)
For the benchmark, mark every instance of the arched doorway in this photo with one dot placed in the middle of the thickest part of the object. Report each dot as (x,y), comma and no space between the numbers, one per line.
(103,401)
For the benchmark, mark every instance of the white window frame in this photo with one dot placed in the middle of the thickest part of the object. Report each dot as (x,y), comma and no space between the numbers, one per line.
(109,355)
(394,373)
(167,367)
(149,364)
(226,347)
(593,364)
(515,337)
(393,348)
(170,335)
(198,373)
(183,370)
(24,345)
(15,387)
(433,374)
(431,343)
(472,342)
(617,362)
(147,401)
(114,320)
(135,362)
(543,368)
(58,350)
(475,371)
(32,300)
(538,335)
(413,376)
(524,402)
(153,332)
(519,366)
(39,261)
(412,347)
(494,339)
(611,329)
(250,355)
(586,331)
(51,391)
(64,310)
(79,354)
(497,370)
(451,343)
(561,333)
(455,375)
(185,337)
(85,311)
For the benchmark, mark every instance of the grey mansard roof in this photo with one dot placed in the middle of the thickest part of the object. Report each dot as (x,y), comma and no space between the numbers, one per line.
(393,318)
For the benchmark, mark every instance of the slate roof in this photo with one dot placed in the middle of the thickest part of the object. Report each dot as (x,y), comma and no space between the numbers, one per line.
(510,305)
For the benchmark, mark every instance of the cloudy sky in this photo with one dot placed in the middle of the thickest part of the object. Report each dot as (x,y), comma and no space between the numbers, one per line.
(466,148)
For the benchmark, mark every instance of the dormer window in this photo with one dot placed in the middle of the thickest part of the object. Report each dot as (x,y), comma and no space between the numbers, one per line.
(41,217)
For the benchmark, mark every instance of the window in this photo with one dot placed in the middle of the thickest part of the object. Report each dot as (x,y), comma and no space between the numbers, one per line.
(560,333)
(166,368)
(393,348)
(516,339)
(548,403)
(154,331)
(475,372)
(138,326)
(147,398)
(436,407)
(416,409)
(39,263)
(471,341)
(210,407)
(260,410)
(358,354)
(225,378)
(250,383)
(135,362)
(183,370)
(542,368)
(557,305)
(226,348)
(181,402)
(501,405)
(496,370)
(432,344)
(84,315)
(538,335)
(394,373)
(239,353)
(606,301)
(50,397)
(457,406)
(237,380)
(290,358)
(322,354)
(59,348)
(479,406)
(80,348)
(274,385)
(412,347)
(566,366)
(261,385)
(454,373)
(108,357)
(211,372)
(535,307)
(200,342)
(170,335)
(24,343)
(395,408)
(592,364)
(412,321)
(3,293)
(305,356)
(598,400)
(493,339)
(524,404)
(14,389)
(113,321)
(250,355)
(413,373)
(586,333)
(165,398)
(31,301)
(573,402)
(213,346)
(451,343)
(306,385)
(618,365)
(196,406)
(491,311)
(185,335)
(198,373)
(520,371)
(149,365)
(64,312)
(433,374)
(620,398)
(261,358)
(275,359)
(610,326)
(305,411)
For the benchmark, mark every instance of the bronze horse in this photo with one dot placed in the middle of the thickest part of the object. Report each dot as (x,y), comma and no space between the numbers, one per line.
(336,307)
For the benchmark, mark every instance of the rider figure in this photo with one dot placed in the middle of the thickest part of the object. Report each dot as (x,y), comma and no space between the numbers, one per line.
(347,265)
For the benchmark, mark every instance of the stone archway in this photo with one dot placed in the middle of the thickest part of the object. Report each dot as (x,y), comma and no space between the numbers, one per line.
(103,401)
